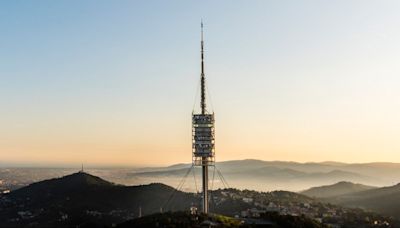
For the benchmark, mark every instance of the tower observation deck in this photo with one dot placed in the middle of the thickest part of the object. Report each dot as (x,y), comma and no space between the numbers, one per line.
(203,137)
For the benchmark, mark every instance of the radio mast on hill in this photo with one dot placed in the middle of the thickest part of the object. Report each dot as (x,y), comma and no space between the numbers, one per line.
(203,145)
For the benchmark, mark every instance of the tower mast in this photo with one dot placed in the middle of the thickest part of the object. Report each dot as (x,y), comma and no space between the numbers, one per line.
(203,145)
(203,90)
(204,160)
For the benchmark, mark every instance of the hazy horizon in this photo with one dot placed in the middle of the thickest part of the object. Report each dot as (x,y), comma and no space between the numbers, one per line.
(114,83)
(139,166)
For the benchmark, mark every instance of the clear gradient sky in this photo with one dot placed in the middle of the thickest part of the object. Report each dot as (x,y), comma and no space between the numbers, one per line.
(114,82)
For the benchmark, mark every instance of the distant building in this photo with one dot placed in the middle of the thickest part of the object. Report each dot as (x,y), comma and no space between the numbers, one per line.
(271,207)
(247,200)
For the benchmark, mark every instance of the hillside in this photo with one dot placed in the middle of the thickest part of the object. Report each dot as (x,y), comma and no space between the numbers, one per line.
(84,200)
(185,219)
(334,190)
(180,219)
(381,200)
(79,197)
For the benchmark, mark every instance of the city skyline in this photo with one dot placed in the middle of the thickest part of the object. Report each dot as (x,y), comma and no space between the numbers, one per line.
(114,84)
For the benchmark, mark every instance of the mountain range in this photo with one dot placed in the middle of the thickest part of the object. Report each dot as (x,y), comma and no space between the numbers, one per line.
(243,174)
(274,175)
(81,199)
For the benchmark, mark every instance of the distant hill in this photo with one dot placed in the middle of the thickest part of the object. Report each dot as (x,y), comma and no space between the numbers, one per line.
(264,175)
(81,197)
(82,189)
(381,200)
(335,190)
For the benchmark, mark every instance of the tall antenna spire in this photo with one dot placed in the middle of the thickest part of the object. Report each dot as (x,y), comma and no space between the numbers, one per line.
(203,146)
(203,87)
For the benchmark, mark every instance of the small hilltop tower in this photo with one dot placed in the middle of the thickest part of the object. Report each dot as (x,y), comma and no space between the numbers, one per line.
(203,137)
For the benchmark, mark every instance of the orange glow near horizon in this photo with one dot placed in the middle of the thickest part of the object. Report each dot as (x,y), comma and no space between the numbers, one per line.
(305,81)
(122,144)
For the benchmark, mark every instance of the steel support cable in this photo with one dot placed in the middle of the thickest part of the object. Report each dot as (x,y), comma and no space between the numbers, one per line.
(166,203)
(213,176)
(180,185)
(184,178)
(195,96)
(222,178)
(222,181)
(209,97)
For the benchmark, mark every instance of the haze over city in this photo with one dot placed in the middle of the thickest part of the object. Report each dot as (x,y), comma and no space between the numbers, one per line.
(114,83)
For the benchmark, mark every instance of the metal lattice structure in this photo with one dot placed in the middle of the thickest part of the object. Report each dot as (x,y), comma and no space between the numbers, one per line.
(203,139)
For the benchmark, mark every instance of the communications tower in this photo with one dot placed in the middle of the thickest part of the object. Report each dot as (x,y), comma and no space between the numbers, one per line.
(203,137)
